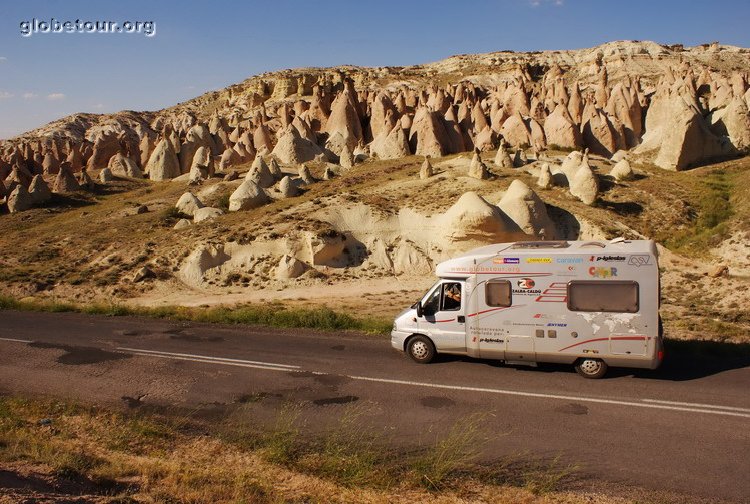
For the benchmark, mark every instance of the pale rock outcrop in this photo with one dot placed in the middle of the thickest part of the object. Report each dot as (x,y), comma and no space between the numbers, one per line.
(206,213)
(527,210)
(288,188)
(229,157)
(292,148)
(343,125)
(247,196)
(623,105)
(182,224)
(105,176)
(202,158)
(515,131)
(472,220)
(486,139)
(328,173)
(197,136)
(733,121)
(676,134)
(536,135)
(381,108)
(163,163)
(288,268)
(39,191)
(571,163)
(50,164)
(392,145)
(584,184)
(105,146)
(75,159)
(326,249)
(85,180)
(456,141)
(202,259)
(305,175)
(260,173)
(122,166)
(65,182)
(274,169)
(560,129)
(502,158)
(477,168)
(188,204)
(146,147)
(545,177)
(346,159)
(198,174)
(19,200)
(427,136)
(410,259)
(426,171)
(575,104)
(520,159)
(20,175)
(622,170)
(599,134)
(262,140)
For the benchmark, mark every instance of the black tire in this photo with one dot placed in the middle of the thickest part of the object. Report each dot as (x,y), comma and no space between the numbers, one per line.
(421,349)
(591,368)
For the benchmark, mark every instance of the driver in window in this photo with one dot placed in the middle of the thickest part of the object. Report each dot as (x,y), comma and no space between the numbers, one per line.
(451,296)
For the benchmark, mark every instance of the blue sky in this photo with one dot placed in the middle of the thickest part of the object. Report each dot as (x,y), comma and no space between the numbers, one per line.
(199,46)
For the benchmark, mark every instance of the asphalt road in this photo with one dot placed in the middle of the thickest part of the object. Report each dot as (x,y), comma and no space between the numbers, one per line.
(684,428)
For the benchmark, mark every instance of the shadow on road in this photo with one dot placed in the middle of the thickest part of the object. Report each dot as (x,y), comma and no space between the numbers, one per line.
(684,361)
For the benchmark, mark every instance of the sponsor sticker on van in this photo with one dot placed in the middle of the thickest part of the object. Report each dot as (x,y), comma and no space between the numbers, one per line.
(539,260)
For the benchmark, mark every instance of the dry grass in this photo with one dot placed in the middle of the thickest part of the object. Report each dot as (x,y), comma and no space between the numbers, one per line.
(114,457)
(269,314)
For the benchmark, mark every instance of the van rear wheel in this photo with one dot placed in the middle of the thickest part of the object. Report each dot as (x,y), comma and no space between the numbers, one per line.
(421,349)
(591,368)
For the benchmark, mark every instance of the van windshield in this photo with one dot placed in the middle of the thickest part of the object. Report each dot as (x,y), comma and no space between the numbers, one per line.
(425,294)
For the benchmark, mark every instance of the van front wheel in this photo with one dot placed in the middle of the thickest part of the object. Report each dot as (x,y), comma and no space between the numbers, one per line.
(591,368)
(421,349)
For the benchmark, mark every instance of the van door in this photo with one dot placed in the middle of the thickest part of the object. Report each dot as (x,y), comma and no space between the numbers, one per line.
(444,317)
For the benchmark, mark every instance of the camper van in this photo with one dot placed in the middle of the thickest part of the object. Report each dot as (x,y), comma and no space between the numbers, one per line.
(591,304)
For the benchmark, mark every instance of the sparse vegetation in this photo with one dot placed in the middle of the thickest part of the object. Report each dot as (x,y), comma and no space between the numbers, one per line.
(713,211)
(173,457)
(271,314)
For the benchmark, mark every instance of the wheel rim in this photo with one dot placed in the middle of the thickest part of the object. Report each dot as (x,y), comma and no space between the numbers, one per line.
(590,366)
(420,350)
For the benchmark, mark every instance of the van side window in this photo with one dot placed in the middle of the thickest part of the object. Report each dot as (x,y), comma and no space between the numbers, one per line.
(451,296)
(603,296)
(498,293)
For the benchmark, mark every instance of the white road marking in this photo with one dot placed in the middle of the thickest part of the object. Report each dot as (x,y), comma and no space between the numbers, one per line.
(208,358)
(638,403)
(14,340)
(697,405)
(552,396)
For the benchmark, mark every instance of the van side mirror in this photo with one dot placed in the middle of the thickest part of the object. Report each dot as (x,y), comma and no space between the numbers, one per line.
(420,311)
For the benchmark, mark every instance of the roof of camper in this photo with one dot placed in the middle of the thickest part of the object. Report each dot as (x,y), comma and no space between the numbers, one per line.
(547,248)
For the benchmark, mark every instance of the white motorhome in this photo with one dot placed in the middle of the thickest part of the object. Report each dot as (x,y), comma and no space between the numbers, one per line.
(592,304)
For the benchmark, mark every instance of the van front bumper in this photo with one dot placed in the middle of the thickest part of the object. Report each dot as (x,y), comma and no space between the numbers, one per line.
(398,338)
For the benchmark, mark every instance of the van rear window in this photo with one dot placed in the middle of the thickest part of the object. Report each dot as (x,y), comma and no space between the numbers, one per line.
(603,296)
(498,293)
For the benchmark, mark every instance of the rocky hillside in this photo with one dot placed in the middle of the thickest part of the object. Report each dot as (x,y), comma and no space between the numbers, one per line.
(321,183)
